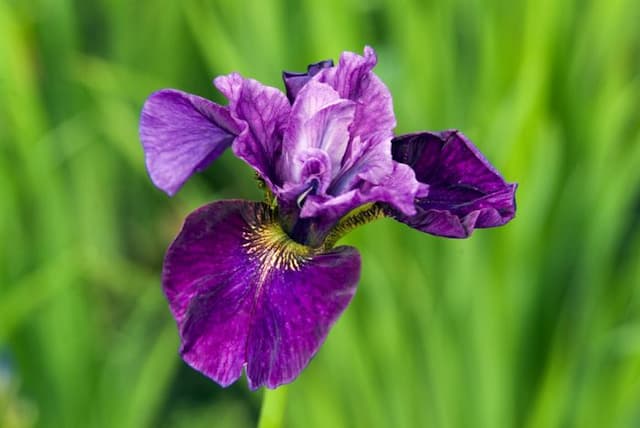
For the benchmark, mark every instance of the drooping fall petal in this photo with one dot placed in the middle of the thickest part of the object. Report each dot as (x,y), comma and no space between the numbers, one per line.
(245,295)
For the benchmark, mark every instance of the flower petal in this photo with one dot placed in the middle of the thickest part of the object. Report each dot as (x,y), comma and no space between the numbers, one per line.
(182,134)
(352,111)
(244,295)
(465,190)
(353,79)
(332,208)
(263,112)
(293,82)
(319,120)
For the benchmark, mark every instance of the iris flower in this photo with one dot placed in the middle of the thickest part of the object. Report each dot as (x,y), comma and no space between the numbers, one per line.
(258,285)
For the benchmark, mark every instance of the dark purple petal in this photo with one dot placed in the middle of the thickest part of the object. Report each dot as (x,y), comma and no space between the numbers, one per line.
(263,113)
(182,134)
(293,82)
(244,295)
(465,190)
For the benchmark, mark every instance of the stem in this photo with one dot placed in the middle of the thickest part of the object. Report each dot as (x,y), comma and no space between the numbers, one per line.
(273,405)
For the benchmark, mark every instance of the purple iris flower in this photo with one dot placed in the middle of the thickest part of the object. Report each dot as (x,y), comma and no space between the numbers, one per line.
(258,285)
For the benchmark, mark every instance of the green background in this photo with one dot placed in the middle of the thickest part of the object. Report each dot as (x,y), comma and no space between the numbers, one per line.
(536,324)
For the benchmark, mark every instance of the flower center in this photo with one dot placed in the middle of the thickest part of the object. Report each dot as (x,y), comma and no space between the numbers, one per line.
(272,248)
(267,232)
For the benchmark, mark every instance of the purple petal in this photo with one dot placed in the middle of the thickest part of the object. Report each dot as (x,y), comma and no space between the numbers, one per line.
(319,121)
(353,79)
(465,190)
(331,208)
(293,82)
(263,113)
(182,134)
(244,295)
(312,169)
(347,112)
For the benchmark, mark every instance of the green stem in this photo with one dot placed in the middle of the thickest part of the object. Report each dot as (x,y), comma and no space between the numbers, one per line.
(273,406)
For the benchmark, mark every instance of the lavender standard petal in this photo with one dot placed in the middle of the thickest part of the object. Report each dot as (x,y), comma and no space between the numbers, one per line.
(293,82)
(354,80)
(347,112)
(319,121)
(182,134)
(244,295)
(465,190)
(263,113)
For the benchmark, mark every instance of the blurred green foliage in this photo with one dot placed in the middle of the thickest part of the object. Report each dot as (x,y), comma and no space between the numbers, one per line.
(536,324)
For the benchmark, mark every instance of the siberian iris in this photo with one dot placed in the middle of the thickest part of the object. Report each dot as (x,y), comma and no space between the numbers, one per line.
(258,285)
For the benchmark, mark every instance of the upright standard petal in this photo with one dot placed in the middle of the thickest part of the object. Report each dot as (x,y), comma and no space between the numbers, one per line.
(354,80)
(182,134)
(245,295)
(465,190)
(263,113)
(319,123)
(293,82)
(346,112)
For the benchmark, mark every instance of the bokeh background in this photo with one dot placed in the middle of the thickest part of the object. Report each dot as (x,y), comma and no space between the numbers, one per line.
(536,324)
